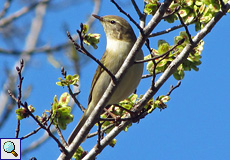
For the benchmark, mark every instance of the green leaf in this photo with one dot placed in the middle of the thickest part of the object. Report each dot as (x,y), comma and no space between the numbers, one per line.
(179,73)
(151,8)
(61,115)
(184,12)
(85,29)
(90,39)
(64,99)
(113,142)
(79,153)
(69,80)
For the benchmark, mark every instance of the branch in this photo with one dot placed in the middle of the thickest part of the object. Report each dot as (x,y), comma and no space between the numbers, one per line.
(168,30)
(168,72)
(93,118)
(136,8)
(38,142)
(172,88)
(5,9)
(73,95)
(30,43)
(47,48)
(82,49)
(20,13)
(186,29)
(43,121)
(24,105)
(31,133)
(19,70)
(61,136)
(62,148)
(162,55)
(128,15)
(103,131)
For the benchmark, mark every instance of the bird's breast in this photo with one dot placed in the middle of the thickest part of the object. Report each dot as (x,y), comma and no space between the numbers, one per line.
(117,51)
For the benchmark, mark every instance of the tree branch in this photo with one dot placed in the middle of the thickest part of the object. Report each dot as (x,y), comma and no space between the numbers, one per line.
(128,15)
(82,49)
(5,9)
(93,118)
(151,91)
(23,11)
(30,44)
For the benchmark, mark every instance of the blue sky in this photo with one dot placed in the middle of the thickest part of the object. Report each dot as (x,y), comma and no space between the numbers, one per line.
(195,125)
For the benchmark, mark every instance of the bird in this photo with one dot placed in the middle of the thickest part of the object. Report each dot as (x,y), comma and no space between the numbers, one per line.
(120,39)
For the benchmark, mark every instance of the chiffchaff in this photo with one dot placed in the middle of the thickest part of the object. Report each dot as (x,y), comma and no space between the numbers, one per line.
(120,40)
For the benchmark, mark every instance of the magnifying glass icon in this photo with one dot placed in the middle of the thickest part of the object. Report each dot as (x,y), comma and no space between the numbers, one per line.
(9,147)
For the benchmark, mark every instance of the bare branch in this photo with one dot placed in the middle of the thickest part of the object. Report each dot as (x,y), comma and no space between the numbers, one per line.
(103,131)
(162,55)
(170,29)
(172,88)
(136,8)
(30,44)
(82,49)
(5,9)
(186,29)
(25,106)
(128,15)
(31,133)
(19,70)
(61,136)
(20,13)
(38,142)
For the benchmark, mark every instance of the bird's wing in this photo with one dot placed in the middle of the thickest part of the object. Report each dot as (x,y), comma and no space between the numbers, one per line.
(97,74)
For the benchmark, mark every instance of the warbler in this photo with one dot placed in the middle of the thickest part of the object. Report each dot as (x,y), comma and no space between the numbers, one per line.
(120,40)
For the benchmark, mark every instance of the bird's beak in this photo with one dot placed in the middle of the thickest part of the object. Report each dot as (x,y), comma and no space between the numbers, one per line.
(98,17)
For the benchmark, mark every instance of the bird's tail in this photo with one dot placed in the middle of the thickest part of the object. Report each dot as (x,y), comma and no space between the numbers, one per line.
(80,124)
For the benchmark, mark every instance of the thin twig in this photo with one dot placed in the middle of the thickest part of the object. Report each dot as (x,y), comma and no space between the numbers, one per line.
(165,31)
(173,12)
(31,133)
(136,8)
(19,70)
(172,88)
(24,105)
(99,134)
(154,73)
(169,30)
(20,13)
(81,49)
(61,136)
(44,121)
(162,55)
(146,76)
(103,131)
(73,95)
(38,142)
(186,29)
(5,9)
(128,15)
(148,46)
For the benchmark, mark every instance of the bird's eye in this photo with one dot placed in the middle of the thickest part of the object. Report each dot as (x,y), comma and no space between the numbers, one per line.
(112,22)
